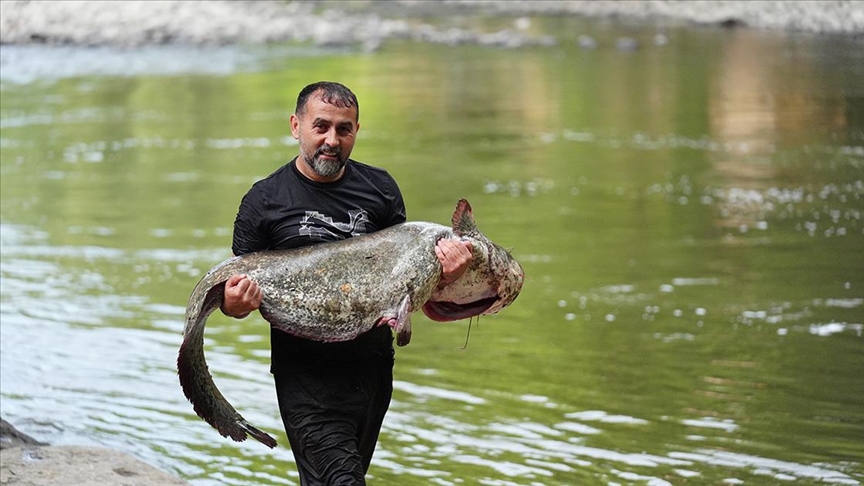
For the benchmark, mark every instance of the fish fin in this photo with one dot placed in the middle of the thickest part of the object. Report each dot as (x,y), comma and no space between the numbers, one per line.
(257,434)
(463,219)
(403,322)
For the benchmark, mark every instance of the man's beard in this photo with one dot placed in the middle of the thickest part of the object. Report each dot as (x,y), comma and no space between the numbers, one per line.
(326,167)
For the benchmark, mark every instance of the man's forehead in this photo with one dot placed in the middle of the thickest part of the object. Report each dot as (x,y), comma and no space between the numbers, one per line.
(319,109)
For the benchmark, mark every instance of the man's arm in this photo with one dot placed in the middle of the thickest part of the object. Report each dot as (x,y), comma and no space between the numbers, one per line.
(242,295)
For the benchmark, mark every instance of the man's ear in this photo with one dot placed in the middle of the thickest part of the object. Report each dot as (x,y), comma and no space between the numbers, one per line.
(295,125)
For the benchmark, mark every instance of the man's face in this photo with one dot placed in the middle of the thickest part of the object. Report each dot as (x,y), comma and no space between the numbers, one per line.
(326,134)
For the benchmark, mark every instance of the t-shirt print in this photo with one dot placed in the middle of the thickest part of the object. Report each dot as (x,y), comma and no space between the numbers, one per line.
(320,227)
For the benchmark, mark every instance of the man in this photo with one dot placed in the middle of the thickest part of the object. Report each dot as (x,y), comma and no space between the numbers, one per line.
(332,396)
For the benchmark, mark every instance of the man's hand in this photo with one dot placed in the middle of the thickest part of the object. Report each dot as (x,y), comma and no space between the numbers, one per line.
(242,296)
(455,257)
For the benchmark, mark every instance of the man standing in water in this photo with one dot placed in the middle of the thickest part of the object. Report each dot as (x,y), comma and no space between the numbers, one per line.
(332,396)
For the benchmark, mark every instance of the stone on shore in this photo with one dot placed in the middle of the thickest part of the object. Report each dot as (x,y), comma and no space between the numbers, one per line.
(78,465)
(135,23)
(25,461)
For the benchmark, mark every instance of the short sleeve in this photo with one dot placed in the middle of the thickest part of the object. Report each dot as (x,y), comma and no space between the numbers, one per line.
(397,213)
(250,229)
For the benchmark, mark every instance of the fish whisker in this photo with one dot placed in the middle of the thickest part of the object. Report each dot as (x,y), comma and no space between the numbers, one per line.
(468,335)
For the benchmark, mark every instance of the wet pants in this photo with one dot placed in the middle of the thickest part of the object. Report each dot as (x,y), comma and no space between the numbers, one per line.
(332,416)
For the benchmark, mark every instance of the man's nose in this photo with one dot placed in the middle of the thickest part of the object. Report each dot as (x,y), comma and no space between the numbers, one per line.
(332,138)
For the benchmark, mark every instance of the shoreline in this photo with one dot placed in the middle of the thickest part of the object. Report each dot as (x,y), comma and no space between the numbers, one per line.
(135,23)
(25,461)
(813,16)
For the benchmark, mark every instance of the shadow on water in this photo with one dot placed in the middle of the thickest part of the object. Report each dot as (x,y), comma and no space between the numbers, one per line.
(689,215)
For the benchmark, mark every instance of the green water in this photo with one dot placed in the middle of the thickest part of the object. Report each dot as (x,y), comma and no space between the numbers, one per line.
(689,217)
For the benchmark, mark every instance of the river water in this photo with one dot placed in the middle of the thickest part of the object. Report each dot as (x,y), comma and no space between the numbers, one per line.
(688,213)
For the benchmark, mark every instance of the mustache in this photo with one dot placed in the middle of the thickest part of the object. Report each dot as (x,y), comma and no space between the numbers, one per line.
(328,150)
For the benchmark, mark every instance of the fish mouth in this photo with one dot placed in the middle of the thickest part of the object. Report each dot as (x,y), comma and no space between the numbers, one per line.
(451,311)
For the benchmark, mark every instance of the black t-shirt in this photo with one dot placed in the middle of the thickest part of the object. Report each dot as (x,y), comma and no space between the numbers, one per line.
(287,210)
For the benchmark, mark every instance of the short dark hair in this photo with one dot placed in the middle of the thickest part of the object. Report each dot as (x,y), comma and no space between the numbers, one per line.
(331,93)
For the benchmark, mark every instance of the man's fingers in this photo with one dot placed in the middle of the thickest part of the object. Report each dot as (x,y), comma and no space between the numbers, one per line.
(456,252)
(241,287)
(455,257)
(448,247)
(451,246)
(242,296)
(440,252)
(256,294)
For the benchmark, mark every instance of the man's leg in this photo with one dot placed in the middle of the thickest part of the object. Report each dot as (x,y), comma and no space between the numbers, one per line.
(378,381)
(327,412)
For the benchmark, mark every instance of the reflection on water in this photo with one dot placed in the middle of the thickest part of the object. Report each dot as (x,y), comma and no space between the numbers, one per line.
(689,215)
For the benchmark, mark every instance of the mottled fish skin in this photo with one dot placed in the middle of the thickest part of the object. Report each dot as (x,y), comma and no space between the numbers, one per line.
(337,291)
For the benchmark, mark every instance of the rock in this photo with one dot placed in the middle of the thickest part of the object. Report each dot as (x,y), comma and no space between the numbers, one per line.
(82,466)
(25,461)
(12,437)
(815,16)
(135,23)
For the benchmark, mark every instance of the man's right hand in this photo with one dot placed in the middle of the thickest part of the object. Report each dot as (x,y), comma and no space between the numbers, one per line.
(242,296)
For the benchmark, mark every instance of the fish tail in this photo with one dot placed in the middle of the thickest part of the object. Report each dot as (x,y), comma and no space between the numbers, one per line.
(257,434)
(197,382)
(197,388)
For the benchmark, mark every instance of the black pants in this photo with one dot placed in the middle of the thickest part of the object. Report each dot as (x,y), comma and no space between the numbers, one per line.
(332,416)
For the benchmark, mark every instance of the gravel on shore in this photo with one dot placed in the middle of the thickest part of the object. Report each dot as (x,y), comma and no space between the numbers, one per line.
(131,23)
(815,16)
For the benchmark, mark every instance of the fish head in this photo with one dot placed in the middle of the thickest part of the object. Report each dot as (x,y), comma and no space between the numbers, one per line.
(492,281)
(509,277)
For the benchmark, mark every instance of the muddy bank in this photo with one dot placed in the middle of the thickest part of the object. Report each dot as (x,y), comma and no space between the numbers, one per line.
(25,461)
(368,23)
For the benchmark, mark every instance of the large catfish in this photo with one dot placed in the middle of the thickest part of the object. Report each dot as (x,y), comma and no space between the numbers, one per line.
(337,291)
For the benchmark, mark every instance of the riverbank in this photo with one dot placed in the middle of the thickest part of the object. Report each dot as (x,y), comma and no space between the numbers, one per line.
(25,461)
(369,23)
(814,16)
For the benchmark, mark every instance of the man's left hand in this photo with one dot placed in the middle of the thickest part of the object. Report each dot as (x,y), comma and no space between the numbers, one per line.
(455,257)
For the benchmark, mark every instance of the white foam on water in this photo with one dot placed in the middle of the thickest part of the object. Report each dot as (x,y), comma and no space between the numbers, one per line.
(426,392)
